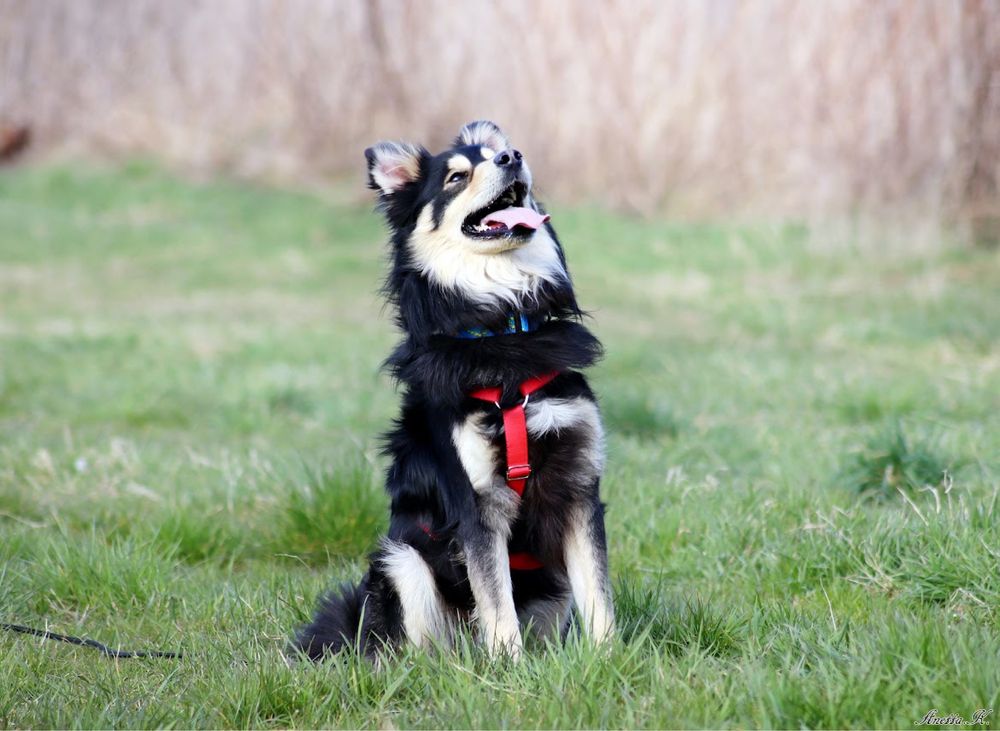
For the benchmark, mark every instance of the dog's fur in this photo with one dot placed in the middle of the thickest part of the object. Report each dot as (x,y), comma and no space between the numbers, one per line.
(444,563)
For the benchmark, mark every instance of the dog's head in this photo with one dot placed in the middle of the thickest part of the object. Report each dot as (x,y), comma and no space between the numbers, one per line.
(466,218)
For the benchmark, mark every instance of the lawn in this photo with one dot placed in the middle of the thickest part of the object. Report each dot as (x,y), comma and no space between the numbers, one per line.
(804,462)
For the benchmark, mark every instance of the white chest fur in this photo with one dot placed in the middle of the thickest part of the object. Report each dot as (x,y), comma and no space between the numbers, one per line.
(444,255)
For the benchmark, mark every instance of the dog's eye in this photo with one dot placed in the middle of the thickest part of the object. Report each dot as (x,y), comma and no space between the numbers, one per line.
(455,177)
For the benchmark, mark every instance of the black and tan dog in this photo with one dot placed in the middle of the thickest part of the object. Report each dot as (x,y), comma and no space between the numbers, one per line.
(497,455)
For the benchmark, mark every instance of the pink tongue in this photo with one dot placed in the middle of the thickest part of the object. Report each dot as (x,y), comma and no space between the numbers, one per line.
(511,217)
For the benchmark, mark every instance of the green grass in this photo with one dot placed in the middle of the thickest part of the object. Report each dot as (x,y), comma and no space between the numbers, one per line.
(804,462)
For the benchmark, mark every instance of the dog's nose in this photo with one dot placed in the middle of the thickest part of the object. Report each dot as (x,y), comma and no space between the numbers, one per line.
(508,158)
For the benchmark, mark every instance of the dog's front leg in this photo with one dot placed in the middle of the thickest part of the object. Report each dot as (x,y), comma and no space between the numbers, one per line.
(488,566)
(586,557)
(489,509)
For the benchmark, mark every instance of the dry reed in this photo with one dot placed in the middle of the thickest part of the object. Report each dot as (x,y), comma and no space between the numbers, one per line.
(770,107)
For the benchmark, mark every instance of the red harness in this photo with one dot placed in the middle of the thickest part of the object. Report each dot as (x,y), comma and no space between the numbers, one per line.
(515,429)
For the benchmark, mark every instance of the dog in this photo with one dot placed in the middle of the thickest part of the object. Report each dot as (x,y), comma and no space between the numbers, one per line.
(496,458)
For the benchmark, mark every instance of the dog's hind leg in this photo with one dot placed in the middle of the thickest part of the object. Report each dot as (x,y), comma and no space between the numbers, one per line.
(586,557)
(426,618)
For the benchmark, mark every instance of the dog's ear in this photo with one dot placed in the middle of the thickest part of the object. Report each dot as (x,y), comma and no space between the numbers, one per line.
(391,165)
(483,133)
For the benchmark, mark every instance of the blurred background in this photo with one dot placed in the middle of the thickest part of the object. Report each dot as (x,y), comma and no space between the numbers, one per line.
(687,108)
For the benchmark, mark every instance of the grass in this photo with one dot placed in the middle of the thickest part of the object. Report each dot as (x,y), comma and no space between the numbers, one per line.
(891,461)
(189,413)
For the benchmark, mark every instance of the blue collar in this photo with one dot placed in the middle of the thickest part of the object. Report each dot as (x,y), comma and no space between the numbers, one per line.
(516,323)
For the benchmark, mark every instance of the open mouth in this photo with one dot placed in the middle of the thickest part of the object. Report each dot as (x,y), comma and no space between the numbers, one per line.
(506,216)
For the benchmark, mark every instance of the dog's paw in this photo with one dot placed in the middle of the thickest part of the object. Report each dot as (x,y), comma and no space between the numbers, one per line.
(507,644)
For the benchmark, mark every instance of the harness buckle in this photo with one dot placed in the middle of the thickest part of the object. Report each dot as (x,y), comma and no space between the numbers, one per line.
(518,472)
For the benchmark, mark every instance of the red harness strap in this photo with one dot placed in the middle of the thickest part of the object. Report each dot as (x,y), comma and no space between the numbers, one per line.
(524,562)
(515,429)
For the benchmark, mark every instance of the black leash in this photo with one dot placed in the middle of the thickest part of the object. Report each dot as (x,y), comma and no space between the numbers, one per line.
(104,649)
